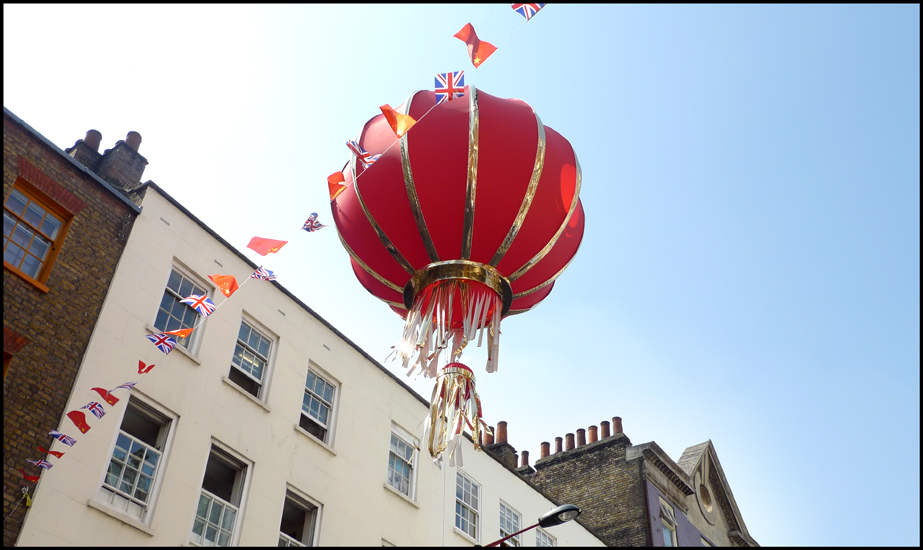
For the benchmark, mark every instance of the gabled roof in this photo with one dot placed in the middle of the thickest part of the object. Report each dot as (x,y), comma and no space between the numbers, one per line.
(704,454)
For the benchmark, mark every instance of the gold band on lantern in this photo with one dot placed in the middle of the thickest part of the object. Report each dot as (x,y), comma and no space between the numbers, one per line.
(459,269)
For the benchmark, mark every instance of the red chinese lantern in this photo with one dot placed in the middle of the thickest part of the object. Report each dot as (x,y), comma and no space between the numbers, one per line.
(468,218)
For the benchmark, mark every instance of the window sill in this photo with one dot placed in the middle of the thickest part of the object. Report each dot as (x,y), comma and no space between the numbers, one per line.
(245,393)
(184,351)
(402,495)
(116,514)
(464,535)
(326,447)
(9,267)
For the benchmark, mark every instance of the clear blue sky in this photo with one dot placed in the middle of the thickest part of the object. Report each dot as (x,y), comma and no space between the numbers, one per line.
(750,271)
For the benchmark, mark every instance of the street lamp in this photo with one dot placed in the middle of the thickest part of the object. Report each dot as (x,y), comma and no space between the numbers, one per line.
(561,514)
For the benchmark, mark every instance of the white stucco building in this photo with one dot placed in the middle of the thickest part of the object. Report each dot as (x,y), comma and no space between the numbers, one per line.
(266,425)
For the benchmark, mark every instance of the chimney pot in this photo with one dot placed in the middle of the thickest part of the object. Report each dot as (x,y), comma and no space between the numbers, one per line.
(133,140)
(605,429)
(546,449)
(501,431)
(557,444)
(490,437)
(616,425)
(592,434)
(94,137)
(581,437)
(570,441)
(525,458)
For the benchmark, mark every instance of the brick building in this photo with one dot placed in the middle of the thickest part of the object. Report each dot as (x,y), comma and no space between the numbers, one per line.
(65,225)
(635,495)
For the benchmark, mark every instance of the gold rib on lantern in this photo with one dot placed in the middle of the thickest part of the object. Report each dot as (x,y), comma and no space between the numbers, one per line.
(530,194)
(549,281)
(385,241)
(412,192)
(468,230)
(544,251)
(458,269)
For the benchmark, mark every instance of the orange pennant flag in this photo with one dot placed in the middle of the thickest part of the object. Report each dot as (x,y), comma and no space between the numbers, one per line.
(336,183)
(227,284)
(107,397)
(399,123)
(478,50)
(264,246)
(182,333)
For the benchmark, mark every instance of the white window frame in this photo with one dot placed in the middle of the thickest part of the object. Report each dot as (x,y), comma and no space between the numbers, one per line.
(668,517)
(242,490)
(263,394)
(404,435)
(190,344)
(516,518)
(539,533)
(478,527)
(104,492)
(329,436)
(318,508)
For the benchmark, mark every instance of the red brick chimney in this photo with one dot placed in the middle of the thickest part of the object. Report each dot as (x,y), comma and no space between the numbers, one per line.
(525,458)
(581,437)
(557,444)
(592,434)
(605,429)
(569,441)
(546,449)
(86,150)
(501,431)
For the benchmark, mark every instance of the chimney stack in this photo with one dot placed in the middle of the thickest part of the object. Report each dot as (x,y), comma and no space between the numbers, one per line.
(605,429)
(86,150)
(557,444)
(592,434)
(122,166)
(581,437)
(489,438)
(546,449)
(616,425)
(525,458)
(569,441)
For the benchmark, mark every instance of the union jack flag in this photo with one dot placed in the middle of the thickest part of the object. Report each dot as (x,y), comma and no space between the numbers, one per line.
(41,463)
(127,385)
(449,86)
(362,154)
(527,10)
(202,304)
(67,440)
(95,408)
(163,342)
(263,274)
(312,224)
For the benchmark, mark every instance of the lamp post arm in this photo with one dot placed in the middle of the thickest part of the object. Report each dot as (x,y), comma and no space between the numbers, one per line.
(497,542)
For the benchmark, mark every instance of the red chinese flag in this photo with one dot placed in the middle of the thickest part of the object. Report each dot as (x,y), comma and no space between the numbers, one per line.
(55,453)
(227,284)
(336,184)
(144,369)
(80,420)
(478,50)
(264,246)
(33,479)
(399,123)
(181,332)
(107,397)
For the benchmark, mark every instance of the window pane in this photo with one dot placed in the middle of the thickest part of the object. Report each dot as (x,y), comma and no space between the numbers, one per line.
(254,340)
(203,506)
(227,522)
(115,470)
(244,332)
(16,202)
(211,533)
(9,222)
(215,513)
(22,235)
(13,254)
(30,266)
(51,225)
(264,347)
(34,214)
(223,539)
(40,247)
(173,283)
(185,288)
(198,527)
